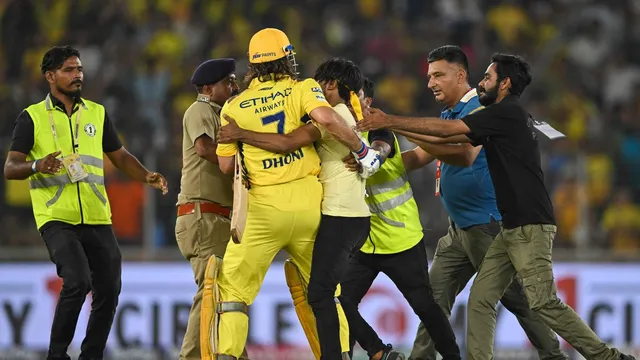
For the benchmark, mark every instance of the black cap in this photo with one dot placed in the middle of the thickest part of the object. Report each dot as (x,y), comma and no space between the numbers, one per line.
(212,71)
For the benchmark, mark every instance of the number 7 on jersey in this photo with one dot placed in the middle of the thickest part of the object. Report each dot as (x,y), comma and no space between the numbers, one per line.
(277,117)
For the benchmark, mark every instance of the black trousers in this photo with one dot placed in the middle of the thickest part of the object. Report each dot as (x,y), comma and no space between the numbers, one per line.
(409,270)
(338,238)
(87,258)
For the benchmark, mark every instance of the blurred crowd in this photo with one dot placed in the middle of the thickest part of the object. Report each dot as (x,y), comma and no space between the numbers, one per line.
(138,56)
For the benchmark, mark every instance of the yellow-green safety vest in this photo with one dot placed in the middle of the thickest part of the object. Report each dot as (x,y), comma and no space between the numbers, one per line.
(395,221)
(55,197)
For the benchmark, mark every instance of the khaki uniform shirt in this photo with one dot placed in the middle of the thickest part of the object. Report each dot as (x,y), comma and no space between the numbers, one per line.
(202,180)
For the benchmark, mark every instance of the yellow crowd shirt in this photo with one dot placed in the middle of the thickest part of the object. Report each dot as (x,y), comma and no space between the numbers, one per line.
(275,107)
(344,190)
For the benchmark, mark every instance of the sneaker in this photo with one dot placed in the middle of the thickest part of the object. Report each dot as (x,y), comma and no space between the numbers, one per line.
(390,354)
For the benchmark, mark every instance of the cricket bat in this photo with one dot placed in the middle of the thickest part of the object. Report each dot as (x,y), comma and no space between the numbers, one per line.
(240,201)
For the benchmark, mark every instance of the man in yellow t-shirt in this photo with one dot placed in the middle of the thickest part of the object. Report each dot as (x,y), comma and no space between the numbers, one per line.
(345,215)
(284,192)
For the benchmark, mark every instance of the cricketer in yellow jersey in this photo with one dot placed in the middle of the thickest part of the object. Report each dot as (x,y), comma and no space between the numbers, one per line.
(276,218)
(345,214)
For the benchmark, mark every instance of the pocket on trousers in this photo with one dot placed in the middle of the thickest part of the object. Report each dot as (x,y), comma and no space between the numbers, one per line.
(540,289)
(444,243)
(187,235)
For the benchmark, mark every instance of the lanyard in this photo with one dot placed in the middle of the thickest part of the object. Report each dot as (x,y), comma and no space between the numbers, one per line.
(55,133)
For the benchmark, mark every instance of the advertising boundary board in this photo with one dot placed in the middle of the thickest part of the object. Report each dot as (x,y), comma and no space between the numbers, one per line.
(156,298)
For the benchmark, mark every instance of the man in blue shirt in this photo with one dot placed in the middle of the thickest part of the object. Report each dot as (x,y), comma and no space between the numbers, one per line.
(465,187)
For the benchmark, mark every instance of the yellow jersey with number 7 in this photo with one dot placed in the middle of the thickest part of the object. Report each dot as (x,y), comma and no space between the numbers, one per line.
(275,107)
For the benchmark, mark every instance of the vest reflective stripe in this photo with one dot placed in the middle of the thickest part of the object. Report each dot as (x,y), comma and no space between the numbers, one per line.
(55,197)
(59,180)
(388,186)
(392,203)
(395,221)
(92,161)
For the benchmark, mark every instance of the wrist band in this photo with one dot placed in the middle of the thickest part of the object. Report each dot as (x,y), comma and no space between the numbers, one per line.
(363,150)
(34,164)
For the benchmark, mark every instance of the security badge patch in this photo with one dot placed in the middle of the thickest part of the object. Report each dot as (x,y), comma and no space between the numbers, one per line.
(203,98)
(90,130)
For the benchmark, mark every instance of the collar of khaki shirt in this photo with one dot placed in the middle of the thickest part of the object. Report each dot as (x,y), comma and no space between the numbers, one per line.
(207,99)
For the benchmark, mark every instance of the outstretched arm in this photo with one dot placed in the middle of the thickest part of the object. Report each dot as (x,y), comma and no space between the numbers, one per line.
(458,154)
(416,158)
(429,139)
(377,119)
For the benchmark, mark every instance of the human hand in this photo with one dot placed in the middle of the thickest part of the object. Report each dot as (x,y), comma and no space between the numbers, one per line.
(229,133)
(49,164)
(157,181)
(351,163)
(373,119)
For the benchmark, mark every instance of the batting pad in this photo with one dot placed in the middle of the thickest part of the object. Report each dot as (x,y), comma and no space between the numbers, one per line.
(298,288)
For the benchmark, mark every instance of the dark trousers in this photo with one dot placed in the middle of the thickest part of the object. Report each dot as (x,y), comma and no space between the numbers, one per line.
(409,270)
(87,258)
(338,238)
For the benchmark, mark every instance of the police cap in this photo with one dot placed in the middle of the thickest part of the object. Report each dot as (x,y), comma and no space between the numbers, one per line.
(212,71)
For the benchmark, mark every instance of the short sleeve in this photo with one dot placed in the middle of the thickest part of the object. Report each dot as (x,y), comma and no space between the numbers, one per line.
(110,140)
(383,135)
(226,149)
(22,139)
(312,96)
(200,120)
(482,123)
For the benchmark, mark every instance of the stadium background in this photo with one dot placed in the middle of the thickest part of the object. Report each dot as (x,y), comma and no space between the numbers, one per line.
(139,54)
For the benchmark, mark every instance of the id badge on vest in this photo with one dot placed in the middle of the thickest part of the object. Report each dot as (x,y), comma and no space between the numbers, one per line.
(72,162)
(75,168)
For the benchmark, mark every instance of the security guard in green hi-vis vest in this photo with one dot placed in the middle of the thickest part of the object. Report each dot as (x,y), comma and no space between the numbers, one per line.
(395,248)
(58,144)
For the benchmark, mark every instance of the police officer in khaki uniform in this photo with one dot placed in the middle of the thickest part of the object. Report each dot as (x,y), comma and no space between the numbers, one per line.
(206,194)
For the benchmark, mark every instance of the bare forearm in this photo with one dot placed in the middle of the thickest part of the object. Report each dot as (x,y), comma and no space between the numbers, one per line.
(383,148)
(338,128)
(210,155)
(413,137)
(412,160)
(345,135)
(456,157)
(131,166)
(17,170)
(423,125)
(452,154)
(276,143)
